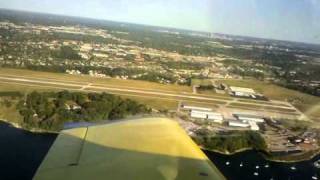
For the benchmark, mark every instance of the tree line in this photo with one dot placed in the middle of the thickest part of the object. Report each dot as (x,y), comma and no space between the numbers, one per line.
(50,110)
(231,142)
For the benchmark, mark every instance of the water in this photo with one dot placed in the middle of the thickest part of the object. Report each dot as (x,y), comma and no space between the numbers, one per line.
(266,169)
(22,152)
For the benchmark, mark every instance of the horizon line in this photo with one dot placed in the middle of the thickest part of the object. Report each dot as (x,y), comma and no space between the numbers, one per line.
(167,27)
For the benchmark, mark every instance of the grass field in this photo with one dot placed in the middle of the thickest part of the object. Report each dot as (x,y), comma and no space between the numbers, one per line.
(203,82)
(304,102)
(88,79)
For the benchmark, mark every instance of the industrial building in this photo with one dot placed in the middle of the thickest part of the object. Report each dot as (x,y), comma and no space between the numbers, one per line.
(238,124)
(246,93)
(249,117)
(198,114)
(196,108)
(247,120)
(245,124)
(207,115)
(253,126)
(240,91)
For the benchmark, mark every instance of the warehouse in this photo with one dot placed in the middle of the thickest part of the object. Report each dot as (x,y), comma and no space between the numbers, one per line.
(198,114)
(207,115)
(253,126)
(249,117)
(215,117)
(238,124)
(196,108)
(240,91)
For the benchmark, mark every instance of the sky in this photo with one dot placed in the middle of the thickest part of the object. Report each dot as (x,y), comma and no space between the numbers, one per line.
(294,20)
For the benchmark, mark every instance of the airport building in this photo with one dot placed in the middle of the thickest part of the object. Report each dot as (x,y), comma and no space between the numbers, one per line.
(198,114)
(246,93)
(196,108)
(253,126)
(249,117)
(215,117)
(239,124)
(240,91)
(207,115)
(247,120)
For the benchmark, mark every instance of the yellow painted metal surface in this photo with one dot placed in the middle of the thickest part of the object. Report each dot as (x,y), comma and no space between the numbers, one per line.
(148,148)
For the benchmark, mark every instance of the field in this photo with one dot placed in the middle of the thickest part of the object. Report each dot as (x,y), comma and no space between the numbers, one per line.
(85,79)
(202,82)
(158,96)
(308,104)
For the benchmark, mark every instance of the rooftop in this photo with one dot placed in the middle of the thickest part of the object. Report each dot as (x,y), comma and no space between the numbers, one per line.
(242,89)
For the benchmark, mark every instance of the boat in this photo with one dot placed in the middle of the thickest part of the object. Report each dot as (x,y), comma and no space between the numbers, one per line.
(266,166)
(314,177)
(256,174)
(227,163)
(317,164)
(293,168)
(241,164)
(257,167)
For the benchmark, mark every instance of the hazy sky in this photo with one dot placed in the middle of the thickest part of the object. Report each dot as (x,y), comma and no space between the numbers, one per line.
(296,20)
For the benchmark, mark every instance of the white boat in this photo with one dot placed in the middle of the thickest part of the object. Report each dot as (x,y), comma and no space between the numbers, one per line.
(266,166)
(257,167)
(317,164)
(241,164)
(227,163)
(293,168)
(256,174)
(314,177)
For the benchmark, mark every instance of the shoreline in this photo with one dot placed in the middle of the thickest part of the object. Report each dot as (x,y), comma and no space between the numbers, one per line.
(308,158)
(32,130)
(266,155)
(226,152)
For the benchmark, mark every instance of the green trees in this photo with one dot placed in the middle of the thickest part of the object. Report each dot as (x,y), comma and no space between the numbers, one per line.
(50,110)
(66,52)
(231,142)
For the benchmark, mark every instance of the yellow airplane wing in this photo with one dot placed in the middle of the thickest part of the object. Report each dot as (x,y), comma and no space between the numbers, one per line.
(140,149)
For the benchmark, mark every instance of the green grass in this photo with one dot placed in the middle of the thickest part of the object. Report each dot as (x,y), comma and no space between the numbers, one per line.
(203,82)
(263,107)
(159,104)
(103,81)
(302,101)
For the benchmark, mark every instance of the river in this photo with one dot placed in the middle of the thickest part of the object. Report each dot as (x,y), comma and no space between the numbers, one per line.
(22,152)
